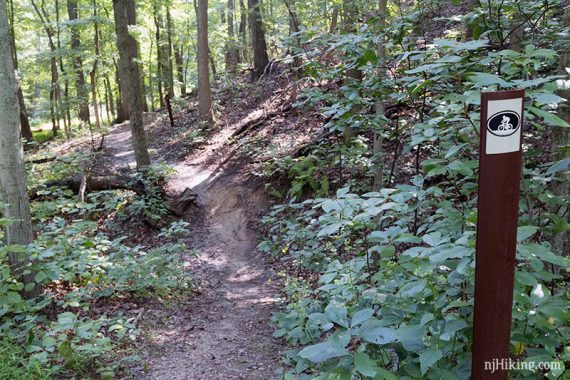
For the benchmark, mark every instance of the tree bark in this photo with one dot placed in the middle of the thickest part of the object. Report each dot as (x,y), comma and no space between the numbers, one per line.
(12,171)
(560,142)
(122,106)
(24,120)
(93,72)
(350,13)
(242,30)
(232,52)
(179,58)
(159,52)
(260,57)
(55,92)
(82,94)
(127,46)
(170,67)
(204,89)
(380,108)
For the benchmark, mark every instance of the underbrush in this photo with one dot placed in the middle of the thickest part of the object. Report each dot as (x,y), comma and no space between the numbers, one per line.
(77,326)
(383,302)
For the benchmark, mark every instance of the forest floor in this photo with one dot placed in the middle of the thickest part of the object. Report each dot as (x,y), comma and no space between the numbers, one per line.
(221,330)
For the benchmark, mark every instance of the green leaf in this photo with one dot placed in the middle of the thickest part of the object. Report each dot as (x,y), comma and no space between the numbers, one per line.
(384,374)
(549,118)
(529,250)
(364,364)
(428,358)
(361,316)
(374,332)
(525,232)
(427,67)
(559,166)
(337,313)
(413,288)
(484,79)
(323,351)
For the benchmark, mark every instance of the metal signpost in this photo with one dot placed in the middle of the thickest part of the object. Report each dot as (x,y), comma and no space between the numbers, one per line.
(498,203)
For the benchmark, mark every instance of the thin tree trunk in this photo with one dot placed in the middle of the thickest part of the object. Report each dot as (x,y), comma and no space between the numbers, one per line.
(55,93)
(159,58)
(122,106)
(64,103)
(82,95)
(232,52)
(24,120)
(93,72)
(127,46)
(242,30)
(212,64)
(110,95)
(12,171)
(377,159)
(170,73)
(260,57)
(334,21)
(560,141)
(179,58)
(204,89)
(350,15)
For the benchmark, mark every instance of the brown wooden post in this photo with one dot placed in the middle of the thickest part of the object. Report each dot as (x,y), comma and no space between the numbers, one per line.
(498,204)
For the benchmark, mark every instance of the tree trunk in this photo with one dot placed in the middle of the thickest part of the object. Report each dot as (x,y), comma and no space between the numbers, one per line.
(110,95)
(204,89)
(24,121)
(83,99)
(55,93)
(93,72)
(170,67)
(560,142)
(212,64)
(242,30)
(166,80)
(377,159)
(122,106)
(350,13)
(232,52)
(64,103)
(127,46)
(260,58)
(159,52)
(180,68)
(334,21)
(12,171)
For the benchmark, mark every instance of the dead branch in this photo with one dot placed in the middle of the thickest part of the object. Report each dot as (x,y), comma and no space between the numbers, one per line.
(254,123)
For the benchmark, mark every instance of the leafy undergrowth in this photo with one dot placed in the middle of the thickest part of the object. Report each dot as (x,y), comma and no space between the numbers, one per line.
(380,284)
(74,328)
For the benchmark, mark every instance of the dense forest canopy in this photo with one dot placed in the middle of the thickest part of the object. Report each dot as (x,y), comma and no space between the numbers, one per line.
(174,171)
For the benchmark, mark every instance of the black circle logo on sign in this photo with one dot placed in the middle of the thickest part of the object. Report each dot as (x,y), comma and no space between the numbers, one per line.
(504,123)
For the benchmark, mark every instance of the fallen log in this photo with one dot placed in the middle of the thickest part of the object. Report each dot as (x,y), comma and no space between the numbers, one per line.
(81,184)
(41,160)
(94,184)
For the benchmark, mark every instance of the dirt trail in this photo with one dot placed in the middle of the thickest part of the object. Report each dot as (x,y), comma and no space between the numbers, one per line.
(222,333)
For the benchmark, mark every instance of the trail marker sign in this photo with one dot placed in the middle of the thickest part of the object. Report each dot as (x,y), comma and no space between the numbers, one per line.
(498,203)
